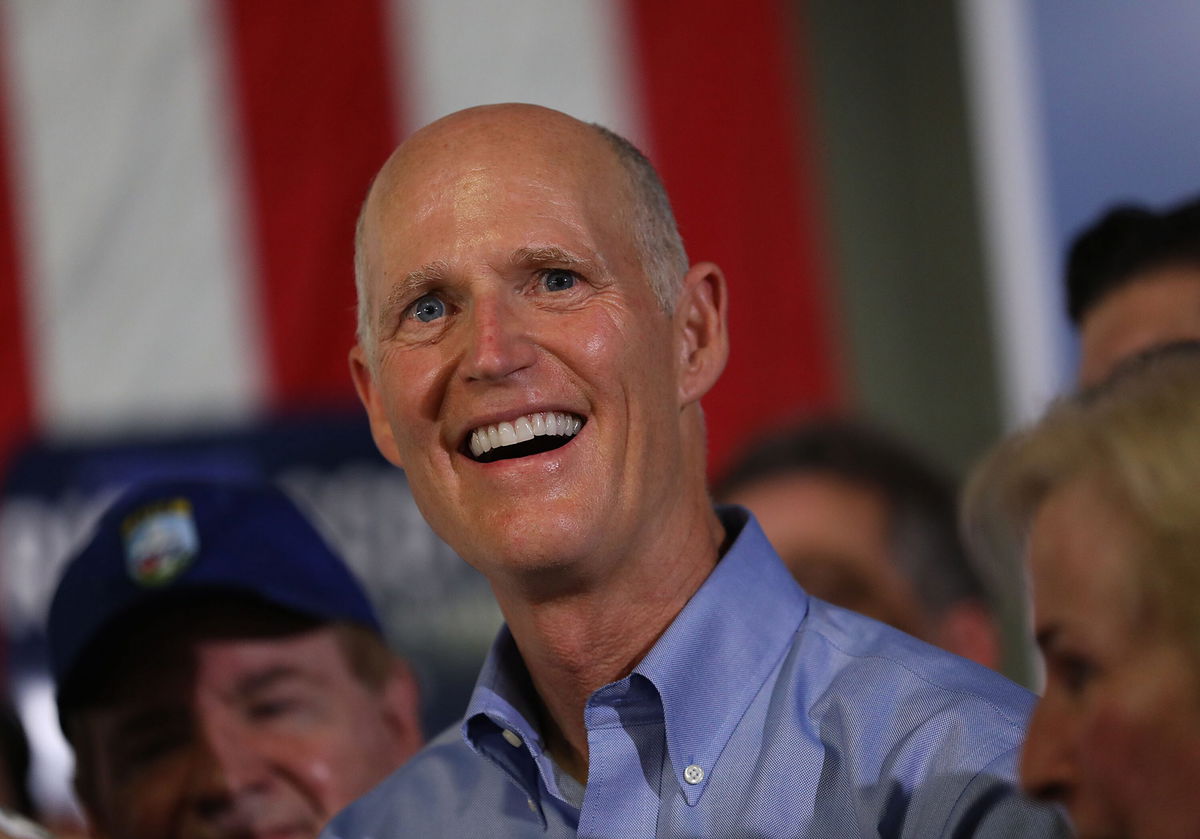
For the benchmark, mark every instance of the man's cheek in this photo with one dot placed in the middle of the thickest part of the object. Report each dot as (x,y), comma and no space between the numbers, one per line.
(143,811)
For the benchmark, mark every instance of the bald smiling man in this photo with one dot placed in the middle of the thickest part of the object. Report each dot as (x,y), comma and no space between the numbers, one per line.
(533,349)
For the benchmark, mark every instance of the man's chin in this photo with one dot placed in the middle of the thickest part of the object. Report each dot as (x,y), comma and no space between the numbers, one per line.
(537,533)
(293,832)
(300,829)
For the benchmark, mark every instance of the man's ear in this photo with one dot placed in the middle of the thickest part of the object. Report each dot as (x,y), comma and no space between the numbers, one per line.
(402,710)
(701,327)
(368,394)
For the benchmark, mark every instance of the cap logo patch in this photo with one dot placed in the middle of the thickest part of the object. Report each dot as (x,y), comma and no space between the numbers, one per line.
(160,542)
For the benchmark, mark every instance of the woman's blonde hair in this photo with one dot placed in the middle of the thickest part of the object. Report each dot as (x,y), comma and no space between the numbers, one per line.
(1137,437)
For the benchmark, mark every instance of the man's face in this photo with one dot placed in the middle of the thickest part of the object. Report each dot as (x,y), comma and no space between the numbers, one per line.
(506,294)
(264,736)
(1153,309)
(833,536)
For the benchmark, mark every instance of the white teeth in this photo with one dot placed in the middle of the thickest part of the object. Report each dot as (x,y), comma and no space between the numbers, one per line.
(523,429)
(477,447)
(507,435)
(486,438)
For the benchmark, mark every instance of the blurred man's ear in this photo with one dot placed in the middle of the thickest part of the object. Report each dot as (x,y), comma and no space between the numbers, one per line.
(368,394)
(700,320)
(402,710)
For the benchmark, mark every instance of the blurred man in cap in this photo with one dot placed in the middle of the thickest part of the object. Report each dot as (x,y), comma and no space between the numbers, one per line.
(220,671)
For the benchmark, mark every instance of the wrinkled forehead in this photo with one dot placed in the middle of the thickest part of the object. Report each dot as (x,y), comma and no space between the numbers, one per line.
(472,172)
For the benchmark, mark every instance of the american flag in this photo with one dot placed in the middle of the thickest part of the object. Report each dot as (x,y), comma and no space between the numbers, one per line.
(179,181)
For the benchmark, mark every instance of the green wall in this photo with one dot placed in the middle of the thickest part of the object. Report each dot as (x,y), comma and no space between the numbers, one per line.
(893,148)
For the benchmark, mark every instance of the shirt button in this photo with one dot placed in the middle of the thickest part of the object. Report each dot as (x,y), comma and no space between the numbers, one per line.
(532,805)
(513,738)
(693,774)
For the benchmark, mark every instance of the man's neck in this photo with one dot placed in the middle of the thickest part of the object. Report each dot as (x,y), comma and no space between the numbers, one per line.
(574,644)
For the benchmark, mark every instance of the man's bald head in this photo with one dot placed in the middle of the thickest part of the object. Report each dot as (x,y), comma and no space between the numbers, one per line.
(528,131)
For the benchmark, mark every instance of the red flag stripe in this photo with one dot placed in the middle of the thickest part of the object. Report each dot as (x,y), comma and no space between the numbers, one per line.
(16,405)
(318,117)
(720,109)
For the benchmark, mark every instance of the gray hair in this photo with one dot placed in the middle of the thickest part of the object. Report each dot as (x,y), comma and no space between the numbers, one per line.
(655,232)
(656,235)
(366,334)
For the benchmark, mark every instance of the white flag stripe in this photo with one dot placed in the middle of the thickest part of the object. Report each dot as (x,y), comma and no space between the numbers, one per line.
(121,154)
(1017,237)
(573,56)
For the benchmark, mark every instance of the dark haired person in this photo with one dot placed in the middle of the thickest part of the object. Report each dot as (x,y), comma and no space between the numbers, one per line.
(1133,283)
(864,521)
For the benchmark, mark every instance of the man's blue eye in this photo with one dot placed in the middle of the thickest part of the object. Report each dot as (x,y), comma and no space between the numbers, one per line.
(559,280)
(428,308)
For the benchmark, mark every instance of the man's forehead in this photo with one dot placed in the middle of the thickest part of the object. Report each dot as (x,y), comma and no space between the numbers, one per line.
(509,200)
(516,125)
(475,147)
(179,659)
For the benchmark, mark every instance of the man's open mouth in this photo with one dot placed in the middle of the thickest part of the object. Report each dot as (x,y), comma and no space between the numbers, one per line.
(524,436)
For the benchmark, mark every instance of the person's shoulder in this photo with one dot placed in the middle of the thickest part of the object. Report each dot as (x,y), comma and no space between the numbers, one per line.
(865,656)
(938,732)
(417,796)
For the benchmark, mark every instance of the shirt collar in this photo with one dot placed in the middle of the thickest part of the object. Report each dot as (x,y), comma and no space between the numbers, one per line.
(741,621)
(504,693)
(500,724)
(716,655)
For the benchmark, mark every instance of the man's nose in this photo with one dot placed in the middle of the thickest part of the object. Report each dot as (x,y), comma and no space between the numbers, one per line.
(1049,757)
(499,342)
(227,766)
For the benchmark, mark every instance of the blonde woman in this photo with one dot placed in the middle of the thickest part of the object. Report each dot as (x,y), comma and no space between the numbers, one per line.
(1105,492)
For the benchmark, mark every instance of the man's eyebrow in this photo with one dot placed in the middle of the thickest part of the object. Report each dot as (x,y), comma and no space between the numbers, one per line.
(270,677)
(403,288)
(547,255)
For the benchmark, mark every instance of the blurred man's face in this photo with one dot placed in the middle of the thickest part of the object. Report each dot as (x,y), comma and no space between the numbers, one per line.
(833,536)
(1153,309)
(260,736)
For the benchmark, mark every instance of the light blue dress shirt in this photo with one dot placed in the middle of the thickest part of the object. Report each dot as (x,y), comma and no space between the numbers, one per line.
(760,712)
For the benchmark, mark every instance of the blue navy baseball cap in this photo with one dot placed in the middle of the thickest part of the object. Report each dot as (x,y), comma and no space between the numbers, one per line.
(170,539)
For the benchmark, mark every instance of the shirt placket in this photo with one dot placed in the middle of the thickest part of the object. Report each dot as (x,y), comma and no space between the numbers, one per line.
(626,755)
